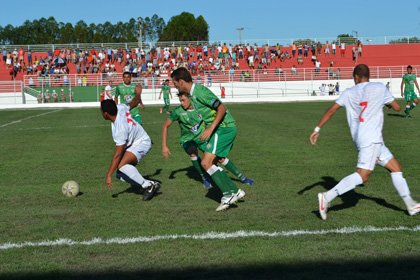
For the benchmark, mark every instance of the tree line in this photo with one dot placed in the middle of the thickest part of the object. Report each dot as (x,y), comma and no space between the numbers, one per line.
(183,27)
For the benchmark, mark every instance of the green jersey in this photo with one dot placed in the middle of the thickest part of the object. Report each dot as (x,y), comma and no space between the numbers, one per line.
(190,123)
(127,93)
(166,90)
(409,80)
(206,102)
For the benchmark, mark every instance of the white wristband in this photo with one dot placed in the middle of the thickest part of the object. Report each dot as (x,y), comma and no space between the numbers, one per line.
(317,129)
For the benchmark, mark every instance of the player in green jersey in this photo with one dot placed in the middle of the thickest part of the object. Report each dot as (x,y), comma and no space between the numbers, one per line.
(407,91)
(219,135)
(166,90)
(191,125)
(130,94)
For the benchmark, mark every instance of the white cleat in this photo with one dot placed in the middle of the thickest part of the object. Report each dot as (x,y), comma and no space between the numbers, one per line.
(414,209)
(225,202)
(238,196)
(323,206)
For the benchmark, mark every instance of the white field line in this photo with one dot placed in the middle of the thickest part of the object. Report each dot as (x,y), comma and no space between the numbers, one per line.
(27,118)
(205,236)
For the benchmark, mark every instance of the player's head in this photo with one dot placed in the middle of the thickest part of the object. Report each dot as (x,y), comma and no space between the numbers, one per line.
(181,78)
(108,109)
(127,77)
(361,73)
(409,69)
(184,99)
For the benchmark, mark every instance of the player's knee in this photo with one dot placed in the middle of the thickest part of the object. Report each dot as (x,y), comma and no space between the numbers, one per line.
(192,151)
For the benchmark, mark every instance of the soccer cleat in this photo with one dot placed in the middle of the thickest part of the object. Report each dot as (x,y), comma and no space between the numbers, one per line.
(151,191)
(207,184)
(414,209)
(247,181)
(225,202)
(323,206)
(237,196)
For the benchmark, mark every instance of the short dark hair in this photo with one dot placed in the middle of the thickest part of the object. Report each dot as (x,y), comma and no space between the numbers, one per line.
(409,67)
(181,93)
(181,74)
(127,73)
(361,70)
(109,106)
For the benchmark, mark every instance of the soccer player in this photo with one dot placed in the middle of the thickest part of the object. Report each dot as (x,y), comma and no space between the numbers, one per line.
(166,90)
(407,91)
(132,145)
(220,133)
(364,106)
(130,94)
(191,124)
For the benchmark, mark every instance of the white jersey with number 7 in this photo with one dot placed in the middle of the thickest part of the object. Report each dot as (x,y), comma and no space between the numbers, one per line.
(364,107)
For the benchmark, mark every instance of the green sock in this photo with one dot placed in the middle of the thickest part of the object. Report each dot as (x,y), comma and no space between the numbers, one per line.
(197,165)
(230,166)
(222,180)
(412,106)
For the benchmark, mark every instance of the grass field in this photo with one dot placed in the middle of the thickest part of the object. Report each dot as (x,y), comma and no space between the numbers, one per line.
(40,149)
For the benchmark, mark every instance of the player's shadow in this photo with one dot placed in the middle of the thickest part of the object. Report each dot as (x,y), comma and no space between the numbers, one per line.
(395,115)
(133,189)
(214,193)
(349,199)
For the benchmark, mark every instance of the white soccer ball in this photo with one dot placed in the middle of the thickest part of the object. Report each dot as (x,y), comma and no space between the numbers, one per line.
(70,188)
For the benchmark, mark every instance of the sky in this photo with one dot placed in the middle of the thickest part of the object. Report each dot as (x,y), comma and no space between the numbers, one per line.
(267,19)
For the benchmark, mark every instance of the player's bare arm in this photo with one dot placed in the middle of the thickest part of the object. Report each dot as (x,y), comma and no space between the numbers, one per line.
(394,106)
(402,88)
(324,119)
(119,151)
(220,113)
(417,85)
(165,150)
(137,100)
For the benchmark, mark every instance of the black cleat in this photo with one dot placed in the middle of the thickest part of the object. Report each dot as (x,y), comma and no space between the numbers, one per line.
(151,191)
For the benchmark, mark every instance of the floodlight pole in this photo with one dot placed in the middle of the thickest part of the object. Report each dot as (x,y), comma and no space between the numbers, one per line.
(240,29)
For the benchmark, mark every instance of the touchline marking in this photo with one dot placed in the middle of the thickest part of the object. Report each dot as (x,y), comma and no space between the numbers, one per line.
(27,118)
(204,236)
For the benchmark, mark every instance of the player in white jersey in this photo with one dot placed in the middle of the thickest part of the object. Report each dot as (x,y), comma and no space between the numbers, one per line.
(364,107)
(132,144)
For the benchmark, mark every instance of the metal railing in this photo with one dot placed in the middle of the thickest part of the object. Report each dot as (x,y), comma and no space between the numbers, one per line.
(372,40)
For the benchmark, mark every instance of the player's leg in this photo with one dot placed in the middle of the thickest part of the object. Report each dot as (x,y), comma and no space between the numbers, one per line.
(365,164)
(407,97)
(414,102)
(220,145)
(128,172)
(230,166)
(191,149)
(389,162)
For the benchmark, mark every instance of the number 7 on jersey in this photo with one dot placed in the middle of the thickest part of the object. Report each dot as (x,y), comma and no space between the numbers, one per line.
(364,105)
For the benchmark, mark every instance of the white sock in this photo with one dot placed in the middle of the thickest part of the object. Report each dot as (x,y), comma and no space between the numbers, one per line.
(401,186)
(346,184)
(225,161)
(135,175)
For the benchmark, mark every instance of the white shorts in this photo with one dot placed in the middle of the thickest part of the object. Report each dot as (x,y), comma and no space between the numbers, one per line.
(374,154)
(140,150)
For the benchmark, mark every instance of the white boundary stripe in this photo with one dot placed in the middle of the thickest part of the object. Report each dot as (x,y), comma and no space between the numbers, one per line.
(30,117)
(205,236)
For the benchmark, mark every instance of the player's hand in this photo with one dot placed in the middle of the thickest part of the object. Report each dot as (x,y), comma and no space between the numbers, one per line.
(108,182)
(165,152)
(206,134)
(402,94)
(314,137)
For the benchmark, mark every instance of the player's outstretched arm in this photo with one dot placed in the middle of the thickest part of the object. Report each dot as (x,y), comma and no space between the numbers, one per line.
(119,151)
(324,119)
(165,150)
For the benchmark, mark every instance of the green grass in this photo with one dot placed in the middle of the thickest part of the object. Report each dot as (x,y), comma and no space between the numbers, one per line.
(38,154)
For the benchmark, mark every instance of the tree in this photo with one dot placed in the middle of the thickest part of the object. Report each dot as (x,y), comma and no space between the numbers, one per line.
(346,38)
(185,27)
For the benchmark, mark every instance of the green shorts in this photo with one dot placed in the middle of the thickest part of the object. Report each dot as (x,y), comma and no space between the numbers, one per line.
(410,96)
(221,142)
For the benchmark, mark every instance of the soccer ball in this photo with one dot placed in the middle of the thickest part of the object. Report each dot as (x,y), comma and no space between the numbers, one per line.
(70,188)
